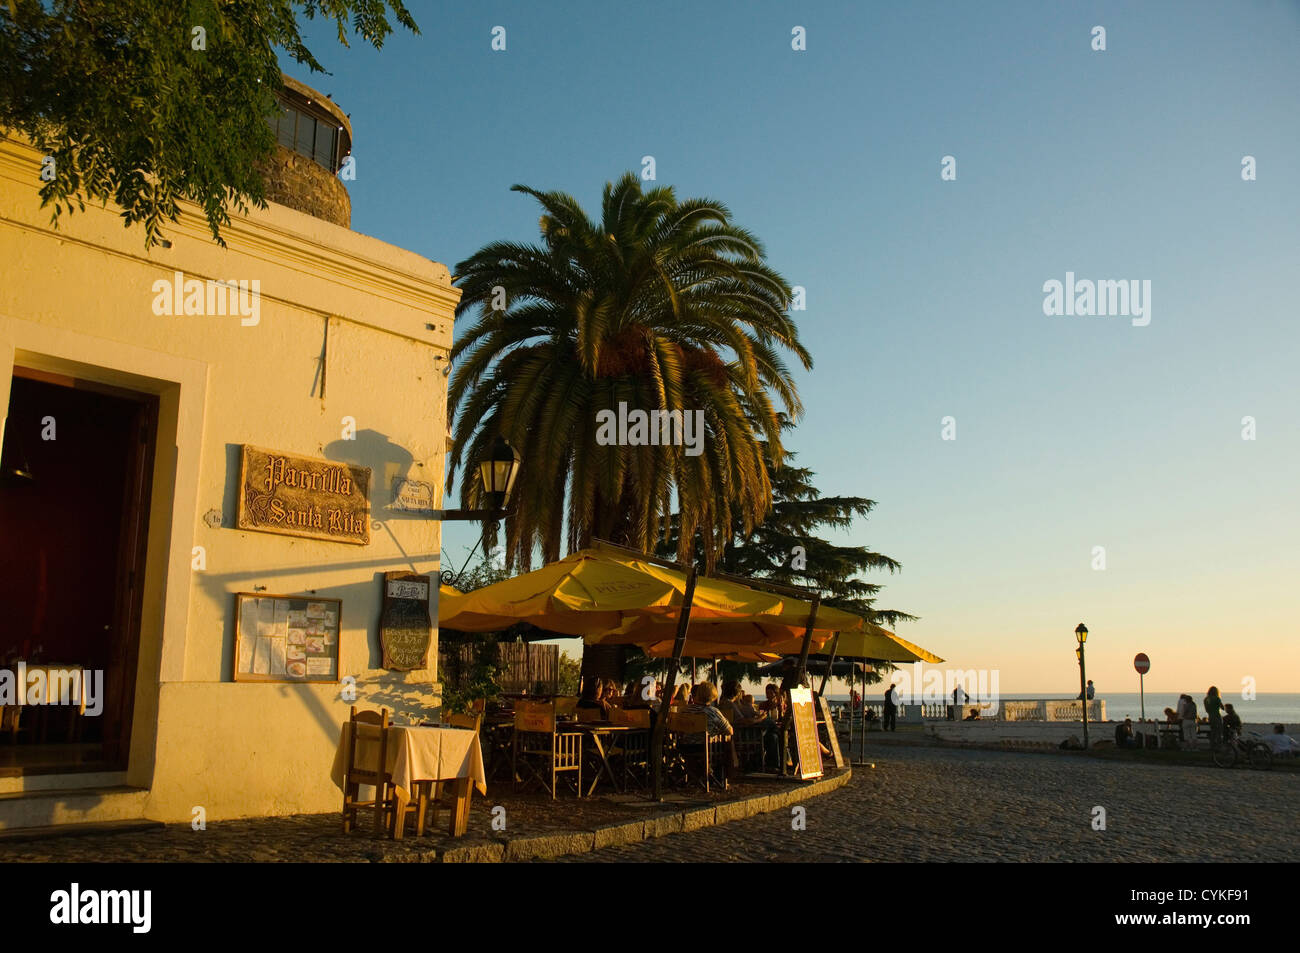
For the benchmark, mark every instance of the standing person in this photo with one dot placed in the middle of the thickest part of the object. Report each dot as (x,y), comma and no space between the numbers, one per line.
(1187,717)
(958,700)
(891,709)
(1214,709)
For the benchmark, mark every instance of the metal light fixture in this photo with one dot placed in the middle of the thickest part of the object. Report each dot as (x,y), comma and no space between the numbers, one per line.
(498,473)
(1081,633)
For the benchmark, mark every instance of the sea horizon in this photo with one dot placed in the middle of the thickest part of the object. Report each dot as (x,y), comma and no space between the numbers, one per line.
(1265,708)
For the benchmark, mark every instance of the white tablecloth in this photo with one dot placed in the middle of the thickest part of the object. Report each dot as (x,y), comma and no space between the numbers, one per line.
(419,754)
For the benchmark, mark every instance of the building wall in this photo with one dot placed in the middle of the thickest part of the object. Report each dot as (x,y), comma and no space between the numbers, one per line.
(79,300)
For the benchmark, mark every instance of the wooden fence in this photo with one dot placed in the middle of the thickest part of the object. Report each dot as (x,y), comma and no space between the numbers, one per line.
(527,667)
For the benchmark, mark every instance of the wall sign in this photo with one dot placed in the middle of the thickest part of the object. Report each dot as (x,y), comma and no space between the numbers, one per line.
(286,638)
(405,630)
(412,496)
(303,496)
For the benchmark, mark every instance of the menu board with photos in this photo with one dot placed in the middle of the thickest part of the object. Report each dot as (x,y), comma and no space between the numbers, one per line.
(286,638)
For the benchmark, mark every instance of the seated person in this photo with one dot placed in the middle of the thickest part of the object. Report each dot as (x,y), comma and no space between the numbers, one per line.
(1231,721)
(703,703)
(1280,743)
(611,697)
(973,716)
(1124,737)
(732,706)
(592,691)
(632,695)
(773,708)
(1171,717)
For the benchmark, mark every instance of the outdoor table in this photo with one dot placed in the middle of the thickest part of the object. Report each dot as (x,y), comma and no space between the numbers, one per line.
(424,753)
(594,731)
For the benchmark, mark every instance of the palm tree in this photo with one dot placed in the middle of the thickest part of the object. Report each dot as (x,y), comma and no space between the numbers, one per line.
(661,305)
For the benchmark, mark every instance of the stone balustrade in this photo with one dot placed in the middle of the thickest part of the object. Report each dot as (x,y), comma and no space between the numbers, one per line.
(1033,709)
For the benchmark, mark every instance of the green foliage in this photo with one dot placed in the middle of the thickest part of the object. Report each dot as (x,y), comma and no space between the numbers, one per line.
(115,93)
(570,680)
(464,681)
(659,303)
(482,573)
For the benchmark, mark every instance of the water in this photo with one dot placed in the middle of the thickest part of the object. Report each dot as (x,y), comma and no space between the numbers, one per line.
(1267,708)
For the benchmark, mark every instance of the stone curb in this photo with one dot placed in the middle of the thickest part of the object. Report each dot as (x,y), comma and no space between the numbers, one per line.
(549,846)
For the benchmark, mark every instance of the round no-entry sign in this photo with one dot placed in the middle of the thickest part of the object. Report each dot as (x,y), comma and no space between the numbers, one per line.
(1142,663)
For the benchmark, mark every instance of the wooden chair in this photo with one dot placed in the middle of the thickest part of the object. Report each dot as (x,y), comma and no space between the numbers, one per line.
(370,727)
(631,751)
(699,760)
(632,717)
(543,749)
(455,795)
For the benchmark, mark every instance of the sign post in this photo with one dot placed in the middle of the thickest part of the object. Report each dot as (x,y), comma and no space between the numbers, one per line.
(1143,665)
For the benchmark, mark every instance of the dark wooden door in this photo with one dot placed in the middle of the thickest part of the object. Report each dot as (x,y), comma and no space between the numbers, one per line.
(124,632)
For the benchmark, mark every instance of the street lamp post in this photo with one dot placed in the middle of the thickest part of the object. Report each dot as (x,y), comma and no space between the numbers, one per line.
(498,472)
(1081,633)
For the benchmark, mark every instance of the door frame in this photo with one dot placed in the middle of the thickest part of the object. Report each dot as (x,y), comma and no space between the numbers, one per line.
(180,384)
(119,686)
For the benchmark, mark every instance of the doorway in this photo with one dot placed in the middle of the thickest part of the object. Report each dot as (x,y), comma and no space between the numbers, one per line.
(75,475)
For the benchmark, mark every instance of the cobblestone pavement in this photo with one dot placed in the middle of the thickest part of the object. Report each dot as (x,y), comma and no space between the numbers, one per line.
(937,804)
(316,838)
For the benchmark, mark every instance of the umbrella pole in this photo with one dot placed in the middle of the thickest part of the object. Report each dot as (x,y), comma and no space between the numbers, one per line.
(829,665)
(830,725)
(807,635)
(661,722)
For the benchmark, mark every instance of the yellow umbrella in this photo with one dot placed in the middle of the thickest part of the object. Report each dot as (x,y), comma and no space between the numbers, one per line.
(703,650)
(732,633)
(873,642)
(597,590)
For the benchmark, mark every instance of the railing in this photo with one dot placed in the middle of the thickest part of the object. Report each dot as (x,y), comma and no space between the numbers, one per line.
(1039,709)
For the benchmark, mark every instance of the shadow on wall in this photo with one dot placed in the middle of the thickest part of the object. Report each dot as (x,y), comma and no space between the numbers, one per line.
(390,465)
(405,692)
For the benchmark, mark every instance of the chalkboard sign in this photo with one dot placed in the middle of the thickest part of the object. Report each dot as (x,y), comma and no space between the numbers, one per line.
(286,638)
(832,736)
(405,630)
(805,733)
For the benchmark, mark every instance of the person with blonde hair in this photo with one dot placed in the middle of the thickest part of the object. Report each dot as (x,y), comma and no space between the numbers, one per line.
(702,703)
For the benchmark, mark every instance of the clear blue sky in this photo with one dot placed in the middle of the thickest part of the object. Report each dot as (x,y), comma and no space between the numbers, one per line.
(925,296)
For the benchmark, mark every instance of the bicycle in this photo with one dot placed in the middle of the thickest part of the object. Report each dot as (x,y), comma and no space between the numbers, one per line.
(1252,750)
